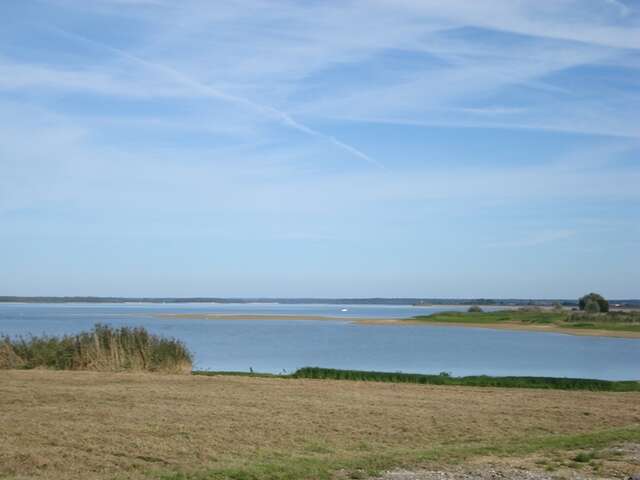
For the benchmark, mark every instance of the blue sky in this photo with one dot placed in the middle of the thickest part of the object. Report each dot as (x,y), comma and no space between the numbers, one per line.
(318,148)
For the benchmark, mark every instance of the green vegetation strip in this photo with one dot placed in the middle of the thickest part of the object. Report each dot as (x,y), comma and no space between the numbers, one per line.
(613,321)
(446,379)
(536,317)
(285,466)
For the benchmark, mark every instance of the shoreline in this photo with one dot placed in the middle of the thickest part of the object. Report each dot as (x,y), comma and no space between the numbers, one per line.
(525,328)
(400,321)
(256,316)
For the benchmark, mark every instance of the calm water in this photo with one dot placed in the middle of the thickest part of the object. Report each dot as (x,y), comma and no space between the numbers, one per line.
(285,345)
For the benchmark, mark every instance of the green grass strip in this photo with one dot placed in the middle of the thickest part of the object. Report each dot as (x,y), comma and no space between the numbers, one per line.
(445,379)
(612,321)
(289,466)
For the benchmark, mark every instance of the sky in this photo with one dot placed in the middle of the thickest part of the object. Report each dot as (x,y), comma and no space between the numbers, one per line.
(396,148)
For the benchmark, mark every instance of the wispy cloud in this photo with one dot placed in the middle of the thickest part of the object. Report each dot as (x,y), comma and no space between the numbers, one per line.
(475,62)
(204,90)
(237,125)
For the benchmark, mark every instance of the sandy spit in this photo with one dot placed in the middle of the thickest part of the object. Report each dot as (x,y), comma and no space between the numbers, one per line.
(404,322)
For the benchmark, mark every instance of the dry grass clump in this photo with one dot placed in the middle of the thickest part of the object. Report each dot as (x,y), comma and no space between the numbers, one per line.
(102,349)
(8,357)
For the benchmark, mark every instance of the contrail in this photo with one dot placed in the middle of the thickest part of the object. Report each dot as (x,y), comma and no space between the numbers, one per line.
(206,90)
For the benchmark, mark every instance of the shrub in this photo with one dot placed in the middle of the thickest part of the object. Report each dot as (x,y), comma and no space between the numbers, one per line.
(591,306)
(474,309)
(603,304)
(104,349)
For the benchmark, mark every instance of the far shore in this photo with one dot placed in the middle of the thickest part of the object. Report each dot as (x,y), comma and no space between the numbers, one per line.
(511,326)
(405,321)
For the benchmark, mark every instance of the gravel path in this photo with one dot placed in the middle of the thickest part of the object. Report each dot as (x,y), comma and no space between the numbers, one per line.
(481,474)
(621,463)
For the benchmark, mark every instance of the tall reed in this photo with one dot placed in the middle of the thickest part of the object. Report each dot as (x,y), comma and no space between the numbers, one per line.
(104,348)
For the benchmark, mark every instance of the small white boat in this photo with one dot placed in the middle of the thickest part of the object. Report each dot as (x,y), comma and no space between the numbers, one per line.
(344,310)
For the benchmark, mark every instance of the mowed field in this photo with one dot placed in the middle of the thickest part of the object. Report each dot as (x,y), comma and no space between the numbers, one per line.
(85,425)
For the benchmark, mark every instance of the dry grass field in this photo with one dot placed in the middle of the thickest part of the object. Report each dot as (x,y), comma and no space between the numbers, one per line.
(86,425)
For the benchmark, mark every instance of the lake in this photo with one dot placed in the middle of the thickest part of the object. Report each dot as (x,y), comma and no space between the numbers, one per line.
(277,346)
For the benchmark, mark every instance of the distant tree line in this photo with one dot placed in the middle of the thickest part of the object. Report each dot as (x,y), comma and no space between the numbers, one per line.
(327,301)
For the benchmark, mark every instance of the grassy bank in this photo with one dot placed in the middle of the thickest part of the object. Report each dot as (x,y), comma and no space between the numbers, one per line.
(143,426)
(470,381)
(102,349)
(562,319)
